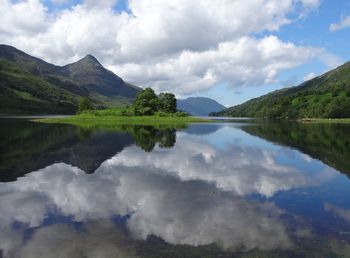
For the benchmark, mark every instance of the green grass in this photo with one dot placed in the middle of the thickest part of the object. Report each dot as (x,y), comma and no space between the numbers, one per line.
(92,121)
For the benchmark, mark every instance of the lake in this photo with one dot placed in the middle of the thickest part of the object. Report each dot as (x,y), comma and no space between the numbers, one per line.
(239,189)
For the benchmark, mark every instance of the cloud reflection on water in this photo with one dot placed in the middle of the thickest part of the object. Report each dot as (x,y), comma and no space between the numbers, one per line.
(243,170)
(192,194)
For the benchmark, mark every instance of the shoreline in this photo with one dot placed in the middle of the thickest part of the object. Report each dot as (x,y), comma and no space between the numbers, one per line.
(300,120)
(149,120)
(87,120)
(325,120)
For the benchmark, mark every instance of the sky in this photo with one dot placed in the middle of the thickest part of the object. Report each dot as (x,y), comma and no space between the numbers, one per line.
(228,50)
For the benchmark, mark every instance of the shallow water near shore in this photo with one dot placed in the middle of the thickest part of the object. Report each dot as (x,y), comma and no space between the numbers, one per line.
(235,189)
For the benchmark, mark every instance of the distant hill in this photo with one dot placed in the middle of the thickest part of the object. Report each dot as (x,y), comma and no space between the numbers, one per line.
(31,85)
(199,106)
(326,96)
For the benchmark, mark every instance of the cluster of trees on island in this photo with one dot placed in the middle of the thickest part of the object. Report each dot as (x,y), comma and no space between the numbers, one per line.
(146,103)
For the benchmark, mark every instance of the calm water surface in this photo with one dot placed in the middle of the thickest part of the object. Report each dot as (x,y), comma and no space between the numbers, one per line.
(238,189)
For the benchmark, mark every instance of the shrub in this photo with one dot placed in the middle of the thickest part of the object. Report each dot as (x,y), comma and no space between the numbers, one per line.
(147,111)
(181,114)
(127,112)
(84,104)
(161,114)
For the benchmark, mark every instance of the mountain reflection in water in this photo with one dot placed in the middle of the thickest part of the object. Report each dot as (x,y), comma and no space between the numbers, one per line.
(208,190)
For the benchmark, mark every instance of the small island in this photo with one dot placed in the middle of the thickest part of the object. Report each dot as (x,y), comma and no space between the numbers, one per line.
(147,109)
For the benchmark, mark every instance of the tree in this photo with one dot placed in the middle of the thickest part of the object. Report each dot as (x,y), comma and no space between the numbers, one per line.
(146,102)
(84,104)
(348,91)
(167,102)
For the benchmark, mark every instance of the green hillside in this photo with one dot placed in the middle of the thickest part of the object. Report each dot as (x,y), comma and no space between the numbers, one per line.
(22,92)
(326,96)
(31,85)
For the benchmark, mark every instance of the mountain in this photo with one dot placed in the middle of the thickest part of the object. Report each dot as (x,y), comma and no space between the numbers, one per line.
(199,106)
(95,78)
(31,85)
(326,96)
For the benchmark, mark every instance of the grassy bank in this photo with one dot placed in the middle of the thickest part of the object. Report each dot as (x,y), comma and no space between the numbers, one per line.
(326,120)
(94,121)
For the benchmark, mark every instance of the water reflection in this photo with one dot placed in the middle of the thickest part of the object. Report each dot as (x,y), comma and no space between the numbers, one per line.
(26,146)
(329,143)
(209,190)
(147,137)
(180,212)
(240,169)
(342,213)
(99,239)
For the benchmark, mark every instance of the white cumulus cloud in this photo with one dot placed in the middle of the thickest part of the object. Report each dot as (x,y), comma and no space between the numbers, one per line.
(182,46)
(245,61)
(309,76)
(342,24)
